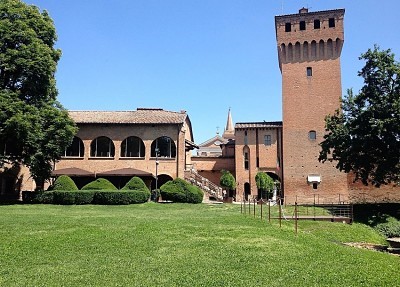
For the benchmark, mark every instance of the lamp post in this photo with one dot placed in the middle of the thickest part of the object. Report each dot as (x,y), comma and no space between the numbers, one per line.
(157,151)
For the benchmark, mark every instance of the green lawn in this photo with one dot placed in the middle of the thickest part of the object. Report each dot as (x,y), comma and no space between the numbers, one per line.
(181,245)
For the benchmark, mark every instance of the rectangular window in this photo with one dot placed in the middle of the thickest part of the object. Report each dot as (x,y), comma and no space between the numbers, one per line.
(331,22)
(267,140)
(309,72)
(302,25)
(288,27)
(317,24)
(245,138)
(312,135)
(258,162)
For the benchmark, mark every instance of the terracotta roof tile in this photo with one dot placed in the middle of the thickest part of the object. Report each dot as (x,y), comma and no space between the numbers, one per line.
(140,116)
(258,125)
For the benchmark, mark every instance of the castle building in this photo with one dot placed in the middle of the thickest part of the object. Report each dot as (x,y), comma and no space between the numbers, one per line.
(118,145)
(309,48)
(157,145)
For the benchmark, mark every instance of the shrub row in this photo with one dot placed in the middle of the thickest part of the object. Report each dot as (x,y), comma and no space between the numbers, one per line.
(38,196)
(88,197)
(102,191)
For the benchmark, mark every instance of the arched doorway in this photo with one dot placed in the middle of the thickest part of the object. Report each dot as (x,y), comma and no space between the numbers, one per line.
(277,180)
(162,178)
(247,191)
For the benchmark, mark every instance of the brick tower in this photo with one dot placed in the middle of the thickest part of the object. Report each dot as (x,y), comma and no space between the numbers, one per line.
(309,48)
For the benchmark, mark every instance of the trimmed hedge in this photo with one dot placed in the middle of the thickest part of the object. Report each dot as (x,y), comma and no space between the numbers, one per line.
(73,197)
(179,190)
(43,197)
(99,184)
(121,197)
(64,182)
(135,183)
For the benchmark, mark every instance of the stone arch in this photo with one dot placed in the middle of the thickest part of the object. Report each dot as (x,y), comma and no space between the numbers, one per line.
(247,190)
(297,55)
(338,47)
(162,178)
(283,52)
(76,149)
(305,51)
(132,147)
(329,49)
(313,50)
(290,52)
(102,147)
(321,49)
(165,147)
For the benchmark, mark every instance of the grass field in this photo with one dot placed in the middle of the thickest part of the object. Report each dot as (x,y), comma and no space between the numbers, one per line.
(182,245)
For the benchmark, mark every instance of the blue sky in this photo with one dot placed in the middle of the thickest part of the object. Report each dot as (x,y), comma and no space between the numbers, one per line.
(202,56)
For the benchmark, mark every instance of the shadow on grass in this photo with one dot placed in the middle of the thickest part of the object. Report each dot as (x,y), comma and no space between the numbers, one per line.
(373,214)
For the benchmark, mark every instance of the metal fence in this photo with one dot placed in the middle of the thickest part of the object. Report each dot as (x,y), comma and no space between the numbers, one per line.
(269,210)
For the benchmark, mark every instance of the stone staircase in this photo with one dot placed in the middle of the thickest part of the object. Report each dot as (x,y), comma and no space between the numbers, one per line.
(212,192)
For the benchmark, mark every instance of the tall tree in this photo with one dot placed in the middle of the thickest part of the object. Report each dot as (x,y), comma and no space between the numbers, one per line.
(34,128)
(227,180)
(364,136)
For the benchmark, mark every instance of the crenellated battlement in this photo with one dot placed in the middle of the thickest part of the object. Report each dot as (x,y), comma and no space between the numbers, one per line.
(309,36)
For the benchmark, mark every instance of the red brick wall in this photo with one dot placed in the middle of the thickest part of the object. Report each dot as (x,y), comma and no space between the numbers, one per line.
(306,100)
(267,156)
(173,167)
(210,167)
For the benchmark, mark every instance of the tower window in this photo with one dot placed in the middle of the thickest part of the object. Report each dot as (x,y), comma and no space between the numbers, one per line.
(312,135)
(317,24)
(245,138)
(288,27)
(302,25)
(267,140)
(315,185)
(246,161)
(309,72)
(331,22)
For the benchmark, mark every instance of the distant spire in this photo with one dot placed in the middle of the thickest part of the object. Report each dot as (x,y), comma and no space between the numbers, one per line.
(229,132)
(229,123)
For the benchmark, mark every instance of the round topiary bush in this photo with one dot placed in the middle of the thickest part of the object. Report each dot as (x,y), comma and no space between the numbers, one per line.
(136,183)
(64,182)
(100,184)
(179,190)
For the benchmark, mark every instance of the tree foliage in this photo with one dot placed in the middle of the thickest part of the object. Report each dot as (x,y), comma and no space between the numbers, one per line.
(227,180)
(34,128)
(264,181)
(364,136)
